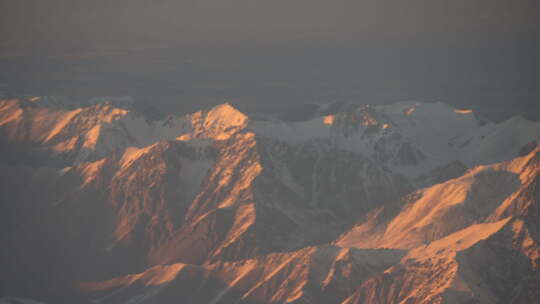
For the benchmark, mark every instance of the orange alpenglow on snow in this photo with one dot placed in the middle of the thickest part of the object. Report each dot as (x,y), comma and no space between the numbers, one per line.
(218,123)
(463,111)
(329,119)
(155,276)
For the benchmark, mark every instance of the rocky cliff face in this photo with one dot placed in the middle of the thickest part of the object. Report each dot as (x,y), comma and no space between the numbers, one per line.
(405,203)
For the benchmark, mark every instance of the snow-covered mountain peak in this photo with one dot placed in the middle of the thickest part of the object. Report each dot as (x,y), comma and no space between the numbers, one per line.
(219,122)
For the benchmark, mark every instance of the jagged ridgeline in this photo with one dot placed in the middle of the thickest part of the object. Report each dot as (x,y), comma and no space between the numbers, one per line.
(404,203)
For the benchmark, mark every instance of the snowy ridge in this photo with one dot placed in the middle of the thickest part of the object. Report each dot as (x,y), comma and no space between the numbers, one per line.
(433,212)
(410,138)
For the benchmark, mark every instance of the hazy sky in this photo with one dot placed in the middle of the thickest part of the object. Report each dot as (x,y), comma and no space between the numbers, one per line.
(258,53)
(164,22)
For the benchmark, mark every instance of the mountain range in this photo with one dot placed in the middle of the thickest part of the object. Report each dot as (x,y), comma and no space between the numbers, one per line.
(412,202)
